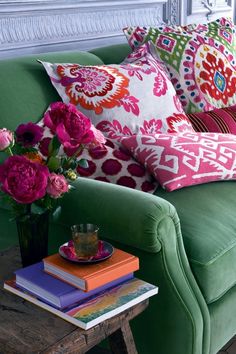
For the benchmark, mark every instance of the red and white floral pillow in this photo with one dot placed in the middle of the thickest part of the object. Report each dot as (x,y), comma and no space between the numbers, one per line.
(133,97)
(180,160)
(112,164)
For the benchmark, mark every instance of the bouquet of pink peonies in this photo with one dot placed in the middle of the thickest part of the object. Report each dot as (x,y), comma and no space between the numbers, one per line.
(39,169)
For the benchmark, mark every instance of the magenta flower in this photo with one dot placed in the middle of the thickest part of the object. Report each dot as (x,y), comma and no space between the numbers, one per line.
(54,116)
(6,139)
(25,181)
(99,138)
(57,185)
(72,127)
(44,145)
(29,134)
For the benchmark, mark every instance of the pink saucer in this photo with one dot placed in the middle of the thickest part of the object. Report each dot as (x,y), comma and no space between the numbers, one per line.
(105,250)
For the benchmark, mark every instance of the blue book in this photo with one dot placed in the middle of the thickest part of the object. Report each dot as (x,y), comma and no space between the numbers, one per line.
(54,291)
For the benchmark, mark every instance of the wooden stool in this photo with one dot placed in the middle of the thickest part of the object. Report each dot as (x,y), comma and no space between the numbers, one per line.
(26,328)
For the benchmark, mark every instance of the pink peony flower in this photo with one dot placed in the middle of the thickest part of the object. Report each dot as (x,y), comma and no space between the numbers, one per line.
(72,127)
(25,181)
(99,138)
(6,138)
(29,134)
(55,115)
(57,185)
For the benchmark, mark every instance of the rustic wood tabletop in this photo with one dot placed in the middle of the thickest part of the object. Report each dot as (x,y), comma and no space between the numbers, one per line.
(26,328)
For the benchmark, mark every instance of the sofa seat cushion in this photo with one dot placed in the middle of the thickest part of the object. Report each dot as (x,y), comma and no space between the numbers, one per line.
(208,222)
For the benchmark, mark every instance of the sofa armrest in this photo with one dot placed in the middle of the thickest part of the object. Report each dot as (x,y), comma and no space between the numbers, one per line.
(124,215)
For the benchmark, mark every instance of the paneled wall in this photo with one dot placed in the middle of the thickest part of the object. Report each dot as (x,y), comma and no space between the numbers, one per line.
(28,26)
(200,10)
(36,26)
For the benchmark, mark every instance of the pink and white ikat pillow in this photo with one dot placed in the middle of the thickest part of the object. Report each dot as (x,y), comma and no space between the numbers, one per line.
(186,159)
(134,97)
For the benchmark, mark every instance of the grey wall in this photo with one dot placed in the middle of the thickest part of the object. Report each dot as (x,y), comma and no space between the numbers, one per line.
(36,26)
(200,10)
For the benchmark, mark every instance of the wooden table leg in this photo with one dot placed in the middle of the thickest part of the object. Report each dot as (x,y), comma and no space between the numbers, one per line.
(122,340)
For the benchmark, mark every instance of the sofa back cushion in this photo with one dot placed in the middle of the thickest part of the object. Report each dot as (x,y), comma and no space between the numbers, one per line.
(26,91)
(112,54)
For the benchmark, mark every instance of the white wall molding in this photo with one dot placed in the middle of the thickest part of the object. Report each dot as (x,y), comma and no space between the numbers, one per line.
(173,12)
(201,10)
(17,6)
(36,26)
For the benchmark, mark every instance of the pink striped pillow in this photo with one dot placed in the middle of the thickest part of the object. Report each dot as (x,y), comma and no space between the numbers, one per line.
(221,120)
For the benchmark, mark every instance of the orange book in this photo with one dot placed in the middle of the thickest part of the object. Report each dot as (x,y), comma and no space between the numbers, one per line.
(89,277)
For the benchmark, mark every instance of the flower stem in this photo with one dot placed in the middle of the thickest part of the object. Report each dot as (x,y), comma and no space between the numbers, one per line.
(9,151)
(28,209)
(75,154)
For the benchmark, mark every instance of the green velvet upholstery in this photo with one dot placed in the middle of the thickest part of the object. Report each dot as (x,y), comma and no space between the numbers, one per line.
(185,239)
(211,254)
(26,91)
(113,54)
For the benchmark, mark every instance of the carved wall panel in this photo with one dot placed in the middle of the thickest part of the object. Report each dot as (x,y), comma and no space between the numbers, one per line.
(203,10)
(38,26)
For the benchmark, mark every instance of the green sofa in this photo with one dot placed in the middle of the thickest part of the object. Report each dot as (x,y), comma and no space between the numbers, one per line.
(186,239)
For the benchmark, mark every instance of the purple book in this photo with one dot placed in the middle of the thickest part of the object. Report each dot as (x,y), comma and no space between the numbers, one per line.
(55,291)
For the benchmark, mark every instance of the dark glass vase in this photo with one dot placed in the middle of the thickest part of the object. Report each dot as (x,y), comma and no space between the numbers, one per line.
(33,237)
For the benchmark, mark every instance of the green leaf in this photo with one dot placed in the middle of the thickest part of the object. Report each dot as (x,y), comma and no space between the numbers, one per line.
(18,149)
(54,146)
(36,209)
(22,218)
(73,165)
(53,163)
(83,163)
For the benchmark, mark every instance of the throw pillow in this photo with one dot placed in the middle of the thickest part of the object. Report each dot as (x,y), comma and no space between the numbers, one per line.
(180,160)
(107,163)
(112,164)
(221,120)
(214,25)
(120,99)
(201,62)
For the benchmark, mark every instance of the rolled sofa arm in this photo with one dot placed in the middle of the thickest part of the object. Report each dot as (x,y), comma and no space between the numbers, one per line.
(148,223)
(124,215)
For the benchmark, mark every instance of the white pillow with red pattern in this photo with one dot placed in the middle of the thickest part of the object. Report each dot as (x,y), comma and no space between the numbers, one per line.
(133,97)
(108,163)
(112,164)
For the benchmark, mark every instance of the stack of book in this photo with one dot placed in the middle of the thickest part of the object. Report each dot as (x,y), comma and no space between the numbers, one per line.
(84,295)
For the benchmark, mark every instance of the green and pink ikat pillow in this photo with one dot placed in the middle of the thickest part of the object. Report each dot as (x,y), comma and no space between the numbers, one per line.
(200,59)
